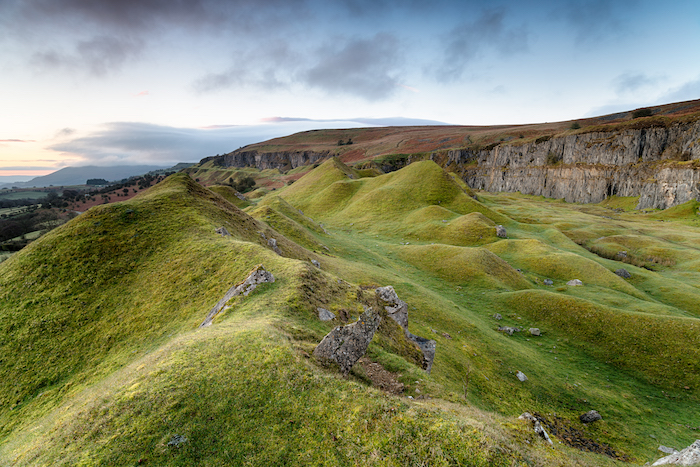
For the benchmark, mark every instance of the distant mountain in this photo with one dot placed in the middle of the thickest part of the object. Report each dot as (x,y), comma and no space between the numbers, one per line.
(79,175)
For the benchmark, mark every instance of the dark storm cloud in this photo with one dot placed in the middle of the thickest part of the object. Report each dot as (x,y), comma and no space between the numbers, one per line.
(470,39)
(364,67)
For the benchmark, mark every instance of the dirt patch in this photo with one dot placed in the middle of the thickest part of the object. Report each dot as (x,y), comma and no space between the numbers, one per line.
(575,438)
(382,378)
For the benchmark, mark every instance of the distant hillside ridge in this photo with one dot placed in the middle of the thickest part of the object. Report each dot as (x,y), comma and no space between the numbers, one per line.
(650,153)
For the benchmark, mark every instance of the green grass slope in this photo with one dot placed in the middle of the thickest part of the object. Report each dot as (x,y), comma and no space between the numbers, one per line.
(102,361)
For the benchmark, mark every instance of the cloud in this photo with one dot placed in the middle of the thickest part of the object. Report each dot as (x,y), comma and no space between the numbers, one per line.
(468,41)
(99,55)
(17,141)
(121,143)
(631,82)
(65,132)
(593,21)
(368,68)
(685,92)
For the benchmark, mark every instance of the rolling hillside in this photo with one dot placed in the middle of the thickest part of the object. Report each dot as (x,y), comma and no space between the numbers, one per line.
(104,362)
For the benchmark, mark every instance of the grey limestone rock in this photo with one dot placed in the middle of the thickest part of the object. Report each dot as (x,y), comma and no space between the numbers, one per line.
(223,232)
(521,376)
(508,329)
(667,450)
(345,345)
(315,263)
(497,316)
(624,273)
(501,232)
(574,282)
(536,425)
(394,306)
(687,457)
(397,310)
(325,315)
(535,332)
(256,277)
(548,282)
(590,416)
(273,243)
(177,440)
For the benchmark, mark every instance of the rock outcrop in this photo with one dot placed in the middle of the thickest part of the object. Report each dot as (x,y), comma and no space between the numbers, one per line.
(397,310)
(588,167)
(345,345)
(285,160)
(536,425)
(687,457)
(590,417)
(256,277)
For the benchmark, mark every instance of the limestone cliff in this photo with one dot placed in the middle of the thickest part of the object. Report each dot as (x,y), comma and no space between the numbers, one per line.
(656,163)
(283,160)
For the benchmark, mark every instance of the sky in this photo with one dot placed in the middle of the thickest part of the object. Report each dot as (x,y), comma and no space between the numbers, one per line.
(120,82)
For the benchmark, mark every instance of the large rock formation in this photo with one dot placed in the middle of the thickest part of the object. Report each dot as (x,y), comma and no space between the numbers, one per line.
(688,456)
(345,345)
(285,160)
(588,167)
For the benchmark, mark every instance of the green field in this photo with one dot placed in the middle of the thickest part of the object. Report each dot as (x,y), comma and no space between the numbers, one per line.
(22,194)
(103,363)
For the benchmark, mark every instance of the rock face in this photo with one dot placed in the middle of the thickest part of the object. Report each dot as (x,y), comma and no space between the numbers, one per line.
(345,345)
(590,416)
(687,457)
(397,310)
(268,160)
(256,277)
(588,167)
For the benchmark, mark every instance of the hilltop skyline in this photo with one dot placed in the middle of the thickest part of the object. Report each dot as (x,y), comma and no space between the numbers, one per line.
(157,82)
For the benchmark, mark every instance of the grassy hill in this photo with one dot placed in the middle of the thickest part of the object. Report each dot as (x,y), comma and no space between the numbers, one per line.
(102,361)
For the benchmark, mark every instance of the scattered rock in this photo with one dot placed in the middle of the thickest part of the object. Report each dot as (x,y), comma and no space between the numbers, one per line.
(667,450)
(548,282)
(497,316)
(521,376)
(345,345)
(535,331)
(537,426)
(325,315)
(446,336)
(240,196)
(273,243)
(315,263)
(590,416)
(574,282)
(177,440)
(687,457)
(509,329)
(256,277)
(223,232)
(501,232)
(622,254)
(624,273)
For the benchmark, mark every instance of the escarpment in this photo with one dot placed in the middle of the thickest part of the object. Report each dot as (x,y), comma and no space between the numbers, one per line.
(282,160)
(657,164)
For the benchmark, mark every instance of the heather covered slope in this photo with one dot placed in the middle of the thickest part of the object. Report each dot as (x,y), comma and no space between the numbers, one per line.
(103,364)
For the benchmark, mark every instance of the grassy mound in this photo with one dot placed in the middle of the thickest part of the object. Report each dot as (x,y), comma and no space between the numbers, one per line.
(229,194)
(476,267)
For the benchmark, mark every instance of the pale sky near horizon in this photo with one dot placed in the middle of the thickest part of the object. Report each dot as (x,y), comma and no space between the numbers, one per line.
(112,82)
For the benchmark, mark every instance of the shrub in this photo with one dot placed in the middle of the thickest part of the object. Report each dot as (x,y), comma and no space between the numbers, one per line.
(553,158)
(575,126)
(642,113)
